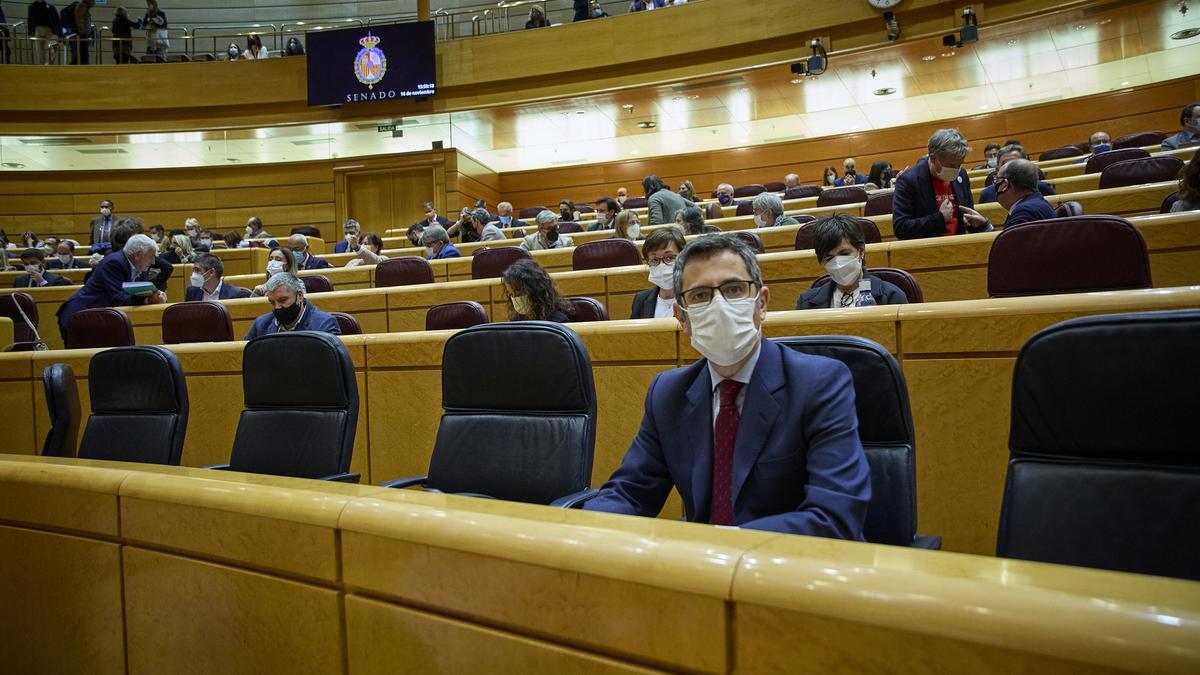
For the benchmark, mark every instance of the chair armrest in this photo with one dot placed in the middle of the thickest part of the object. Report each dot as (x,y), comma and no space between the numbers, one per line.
(343,477)
(218,467)
(927,541)
(406,482)
(576,500)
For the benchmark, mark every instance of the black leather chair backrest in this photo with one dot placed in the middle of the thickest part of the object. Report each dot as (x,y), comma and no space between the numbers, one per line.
(1168,202)
(539,436)
(850,194)
(308,231)
(1138,140)
(605,253)
(1068,255)
(99,328)
(139,406)
(745,208)
(804,235)
(404,271)
(62,400)
(1068,210)
(455,315)
(587,309)
(347,323)
(751,238)
(1096,163)
(1101,471)
(196,322)
(531,212)
(317,283)
(774,186)
(885,428)
(569,227)
(584,208)
(752,190)
(490,263)
(802,191)
(635,203)
(1059,153)
(897,277)
(879,203)
(301,406)
(1139,171)
(8,307)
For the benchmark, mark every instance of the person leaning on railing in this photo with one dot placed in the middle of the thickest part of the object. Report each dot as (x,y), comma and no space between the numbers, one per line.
(122,32)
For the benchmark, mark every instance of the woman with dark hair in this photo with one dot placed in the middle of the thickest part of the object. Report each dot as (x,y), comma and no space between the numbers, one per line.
(661,203)
(1189,186)
(659,252)
(293,48)
(566,211)
(232,239)
(279,260)
(881,175)
(370,251)
(831,176)
(254,48)
(842,250)
(532,294)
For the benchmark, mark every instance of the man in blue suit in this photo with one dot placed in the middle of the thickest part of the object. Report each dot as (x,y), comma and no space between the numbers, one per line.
(103,287)
(933,198)
(1007,154)
(437,243)
(349,242)
(207,282)
(1016,186)
(851,175)
(752,435)
(290,311)
(305,260)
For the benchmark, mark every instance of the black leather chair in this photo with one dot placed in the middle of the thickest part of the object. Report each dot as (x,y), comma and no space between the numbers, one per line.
(605,253)
(1097,163)
(745,208)
(752,190)
(1068,210)
(298,421)
(879,203)
(540,435)
(347,323)
(139,406)
(886,429)
(99,328)
(403,271)
(636,203)
(308,231)
(1144,138)
(751,239)
(1060,153)
(587,309)
(317,283)
(804,235)
(774,186)
(802,192)
(184,322)
(62,400)
(530,212)
(850,194)
(489,263)
(455,315)
(1103,470)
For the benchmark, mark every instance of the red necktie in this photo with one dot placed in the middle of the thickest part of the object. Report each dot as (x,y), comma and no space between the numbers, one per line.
(723,441)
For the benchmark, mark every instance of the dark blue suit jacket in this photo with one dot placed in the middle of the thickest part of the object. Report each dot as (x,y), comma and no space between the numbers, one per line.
(1031,208)
(227,292)
(988,194)
(798,465)
(448,251)
(102,288)
(915,212)
(342,246)
(313,319)
(312,262)
(859,179)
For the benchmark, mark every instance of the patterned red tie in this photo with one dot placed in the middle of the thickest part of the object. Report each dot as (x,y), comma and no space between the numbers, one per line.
(723,441)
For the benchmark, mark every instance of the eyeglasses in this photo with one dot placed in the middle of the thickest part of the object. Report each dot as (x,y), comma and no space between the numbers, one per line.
(668,259)
(700,296)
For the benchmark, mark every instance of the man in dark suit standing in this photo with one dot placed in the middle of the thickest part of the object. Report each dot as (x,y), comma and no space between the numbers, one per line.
(103,287)
(207,281)
(305,260)
(1016,190)
(100,239)
(752,435)
(36,275)
(933,198)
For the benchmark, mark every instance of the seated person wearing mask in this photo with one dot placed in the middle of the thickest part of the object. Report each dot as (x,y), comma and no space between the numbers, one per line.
(504,218)
(305,260)
(479,221)
(933,198)
(768,211)
(279,260)
(691,219)
(35,275)
(1007,154)
(191,227)
(567,212)
(532,294)
(207,281)
(799,467)
(1189,119)
(103,287)
(607,210)
(65,257)
(437,244)
(547,235)
(290,311)
(349,242)
(1016,189)
(725,195)
(991,152)
(622,195)
(1100,142)
(370,252)
(659,251)
(662,204)
(431,218)
(254,230)
(850,174)
(842,249)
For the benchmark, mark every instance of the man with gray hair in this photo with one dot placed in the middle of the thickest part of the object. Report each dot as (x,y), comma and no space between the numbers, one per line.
(480,222)
(1007,154)
(1017,191)
(290,311)
(547,235)
(302,254)
(768,211)
(437,243)
(350,231)
(799,466)
(504,216)
(105,286)
(933,198)
(724,193)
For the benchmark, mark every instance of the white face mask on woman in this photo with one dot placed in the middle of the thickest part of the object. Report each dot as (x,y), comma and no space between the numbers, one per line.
(663,276)
(634,231)
(274,266)
(844,269)
(520,305)
(723,330)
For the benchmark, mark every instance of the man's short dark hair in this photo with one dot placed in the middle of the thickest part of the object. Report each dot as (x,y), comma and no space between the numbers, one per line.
(209,261)
(611,204)
(1188,111)
(828,233)
(33,253)
(991,146)
(661,238)
(70,244)
(106,201)
(703,248)
(652,184)
(1014,147)
(256,222)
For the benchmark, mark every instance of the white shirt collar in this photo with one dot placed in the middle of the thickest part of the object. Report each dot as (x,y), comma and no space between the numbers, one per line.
(216,294)
(743,374)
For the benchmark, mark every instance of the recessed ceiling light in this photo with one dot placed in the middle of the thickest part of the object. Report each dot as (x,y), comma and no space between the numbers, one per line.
(299,23)
(885,91)
(647,125)
(318,27)
(797,80)
(628,106)
(693,97)
(1185,34)
(1125,83)
(1080,26)
(633,152)
(947,55)
(1012,41)
(928,57)
(677,99)
(1103,22)
(13,165)
(983,107)
(580,112)
(254,26)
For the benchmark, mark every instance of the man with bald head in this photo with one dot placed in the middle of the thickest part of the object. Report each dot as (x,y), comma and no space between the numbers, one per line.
(851,175)
(1017,191)
(305,260)
(790,181)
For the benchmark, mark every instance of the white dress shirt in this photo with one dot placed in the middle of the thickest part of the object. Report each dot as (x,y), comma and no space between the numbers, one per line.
(664,308)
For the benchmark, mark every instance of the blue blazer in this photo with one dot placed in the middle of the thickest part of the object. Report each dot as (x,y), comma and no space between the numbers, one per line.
(798,465)
(988,194)
(859,179)
(227,292)
(448,252)
(315,263)
(101,289)
(1031,208)
(915,212)
(313,319)
(342,246)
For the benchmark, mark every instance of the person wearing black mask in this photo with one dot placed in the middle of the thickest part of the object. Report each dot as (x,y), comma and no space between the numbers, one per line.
(547,235)
(566,211)
(881,175)
(851,177)
(290,311)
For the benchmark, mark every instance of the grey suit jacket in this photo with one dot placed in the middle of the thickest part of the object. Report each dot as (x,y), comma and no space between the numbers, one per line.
(663,206)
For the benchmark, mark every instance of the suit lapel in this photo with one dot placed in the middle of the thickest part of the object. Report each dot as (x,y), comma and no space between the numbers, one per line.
(698,424)
(759,411)
(821,300)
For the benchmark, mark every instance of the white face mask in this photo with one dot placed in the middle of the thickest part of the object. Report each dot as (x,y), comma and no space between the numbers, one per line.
(520,304)
(634,230)
(724,331)
(33,269)
(991,162)
(601,218)
(948,173)
(505,220)
(663,276)
(844,269)
(350,236)
(197,280)
(274,266)
(429,252)
(105,211)
(65,259)
(760,221)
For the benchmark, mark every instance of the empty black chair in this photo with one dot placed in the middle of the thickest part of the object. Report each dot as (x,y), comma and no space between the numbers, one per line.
(774,186)
(745,208)
(298,421)
(886,429)
(587,309)
(605,253)
(99,328)
(802,192)
(635,203)
(1103,469)
(1168,202)
(1096,163)
(538,416)
(530,211)
(62,400)
(850,194)
(307,230)
(569,227)
(1140,171)
(1144,138)
(317,283)
(751,239)
(1059,153)
(196,322)
(403,271)
(490,263)
(752,190)
(139,406)
(879,203)
(455,315)
(347,323)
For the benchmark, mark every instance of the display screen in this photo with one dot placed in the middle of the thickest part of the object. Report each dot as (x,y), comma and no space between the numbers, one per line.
(375,63)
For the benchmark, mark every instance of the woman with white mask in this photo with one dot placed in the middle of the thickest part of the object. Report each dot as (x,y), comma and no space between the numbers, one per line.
(659,251)
(279,260)
(842,250)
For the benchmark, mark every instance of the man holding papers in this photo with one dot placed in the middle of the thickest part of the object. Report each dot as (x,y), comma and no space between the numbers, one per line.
(113,282)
